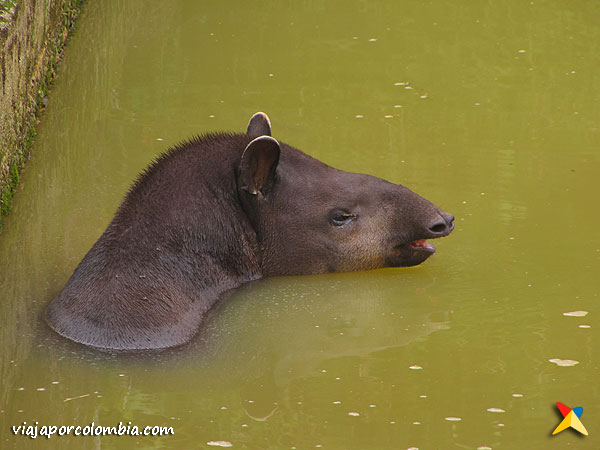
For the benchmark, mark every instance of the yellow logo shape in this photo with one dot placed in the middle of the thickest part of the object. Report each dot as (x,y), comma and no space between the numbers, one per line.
(571,419)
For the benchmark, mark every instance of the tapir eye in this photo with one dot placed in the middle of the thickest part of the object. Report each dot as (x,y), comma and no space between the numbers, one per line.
(341,218)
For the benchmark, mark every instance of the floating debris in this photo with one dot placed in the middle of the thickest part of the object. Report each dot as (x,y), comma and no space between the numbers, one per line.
(41,389)
(68,399)
(372,40)
(220,443)
(563,362)
(575,314)
(353,414)
(416,423)
(415,367)
(584,326)
(388,117)
(484,447)
(337,402)
(517,395)
(452,419)
(359,116)
(495,410)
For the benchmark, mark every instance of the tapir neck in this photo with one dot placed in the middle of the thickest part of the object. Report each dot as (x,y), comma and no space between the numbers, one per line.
(177,243)
(188,207)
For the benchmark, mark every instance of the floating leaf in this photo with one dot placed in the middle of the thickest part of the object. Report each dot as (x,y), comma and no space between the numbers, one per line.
(495,410)
(563,362)
(575,314)
(220,443)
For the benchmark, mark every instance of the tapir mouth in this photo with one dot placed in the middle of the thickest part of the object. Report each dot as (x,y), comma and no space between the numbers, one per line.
(416,251)
(422,244)
(413,253)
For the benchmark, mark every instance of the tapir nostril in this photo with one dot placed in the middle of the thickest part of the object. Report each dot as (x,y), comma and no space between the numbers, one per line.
(442,224)
(438,227)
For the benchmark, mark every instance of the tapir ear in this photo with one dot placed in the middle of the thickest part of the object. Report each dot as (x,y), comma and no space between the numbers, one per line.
(258,165)
(259,125)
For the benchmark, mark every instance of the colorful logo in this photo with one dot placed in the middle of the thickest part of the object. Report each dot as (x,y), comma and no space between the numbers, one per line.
(571,419)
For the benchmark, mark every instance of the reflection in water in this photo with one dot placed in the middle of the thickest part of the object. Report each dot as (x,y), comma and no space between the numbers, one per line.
(499,127)
(319,321)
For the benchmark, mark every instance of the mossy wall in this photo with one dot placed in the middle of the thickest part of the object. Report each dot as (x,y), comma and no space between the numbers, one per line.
(32,37)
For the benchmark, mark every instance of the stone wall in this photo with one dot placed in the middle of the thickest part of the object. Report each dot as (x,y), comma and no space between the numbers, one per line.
(32,37)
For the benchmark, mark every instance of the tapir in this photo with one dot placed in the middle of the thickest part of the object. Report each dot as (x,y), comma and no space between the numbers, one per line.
(224,209)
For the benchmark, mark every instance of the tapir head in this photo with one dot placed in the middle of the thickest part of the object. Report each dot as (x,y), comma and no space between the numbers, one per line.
(312,218)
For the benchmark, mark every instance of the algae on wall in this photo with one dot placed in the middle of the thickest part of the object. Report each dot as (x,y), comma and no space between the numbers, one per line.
(32,37)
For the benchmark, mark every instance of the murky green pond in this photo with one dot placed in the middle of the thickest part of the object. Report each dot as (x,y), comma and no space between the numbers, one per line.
(489,109)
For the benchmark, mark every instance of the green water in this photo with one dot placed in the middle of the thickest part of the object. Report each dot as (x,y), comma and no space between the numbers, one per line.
(500,127)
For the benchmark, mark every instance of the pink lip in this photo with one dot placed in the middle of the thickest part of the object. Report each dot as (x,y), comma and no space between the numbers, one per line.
(421,244)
